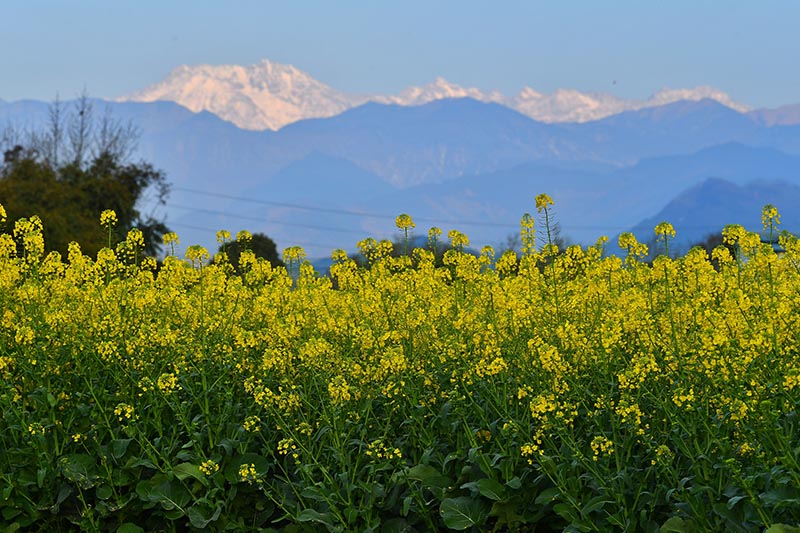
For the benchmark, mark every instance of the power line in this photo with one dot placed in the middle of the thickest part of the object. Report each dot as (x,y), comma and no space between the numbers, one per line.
(365,214)
(293,242)
(258,219)
(338,211)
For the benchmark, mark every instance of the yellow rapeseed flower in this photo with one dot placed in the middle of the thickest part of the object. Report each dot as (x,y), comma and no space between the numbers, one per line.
(170,238)
(543,201)
(601,445)
(404,221)
(664,230)
(244,237)
(248,473)
(294,254)
(196,253)
(770,216)
(124,412)
(210,467)
(135,238)
(167,382)
(251,423)
(457,239)
(732,233)
(108,219)
(433,235)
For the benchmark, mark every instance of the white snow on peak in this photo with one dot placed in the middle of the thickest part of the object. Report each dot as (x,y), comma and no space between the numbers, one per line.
(269,95)
(668,96)
(439,89)
(266,95)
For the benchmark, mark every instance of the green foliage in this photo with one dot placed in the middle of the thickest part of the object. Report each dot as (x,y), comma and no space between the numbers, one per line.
(69,186)
(261,245)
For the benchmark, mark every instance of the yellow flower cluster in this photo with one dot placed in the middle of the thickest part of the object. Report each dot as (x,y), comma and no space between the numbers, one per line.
(251,423)
(167,382)
(108,219)
(379,450)
(209,467)
(124,412)
(601,446)
(248,473)
(404,222)
(288,447)
(664,455)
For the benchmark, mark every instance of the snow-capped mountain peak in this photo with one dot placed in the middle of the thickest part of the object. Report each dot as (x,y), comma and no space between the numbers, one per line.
(266,95)
(439,89)
(270,95)
(668,96)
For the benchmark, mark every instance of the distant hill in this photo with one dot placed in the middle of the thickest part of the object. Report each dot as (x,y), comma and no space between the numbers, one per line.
(706,208)
(788,115)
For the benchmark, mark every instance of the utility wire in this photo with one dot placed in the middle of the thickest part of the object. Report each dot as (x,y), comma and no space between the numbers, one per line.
(258,219)
(212,231)
(346,212)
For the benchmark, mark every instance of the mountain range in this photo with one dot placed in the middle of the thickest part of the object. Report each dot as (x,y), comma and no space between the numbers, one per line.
(270,95)
(462,163)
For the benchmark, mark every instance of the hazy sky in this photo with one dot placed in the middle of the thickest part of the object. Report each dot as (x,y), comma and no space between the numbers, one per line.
(747,49)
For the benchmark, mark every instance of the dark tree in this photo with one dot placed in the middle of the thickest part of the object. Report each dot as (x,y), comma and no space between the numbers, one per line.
(75,169)
(261,245)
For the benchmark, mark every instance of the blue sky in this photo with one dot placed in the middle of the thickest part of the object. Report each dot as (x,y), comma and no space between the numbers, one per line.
(748,49)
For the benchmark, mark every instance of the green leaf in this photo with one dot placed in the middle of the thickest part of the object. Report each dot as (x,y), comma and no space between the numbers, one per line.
(128,527)
(491,489)
(395,525)
(104,492)
(428,476)
(315,493)
(676,524)
(514,483)
(187,470)
(506,512)
(197,518)
(547,496)
(407,501)
(566,511)
(135,462)
(171,494)
(310,515)
(595,504)
(186,456)
(119,447)
(463,512)
(733,501)
(781,496)
(228,445)
(79,468)
(782,528)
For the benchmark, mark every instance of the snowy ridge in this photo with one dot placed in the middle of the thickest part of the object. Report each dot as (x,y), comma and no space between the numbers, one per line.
(269,95)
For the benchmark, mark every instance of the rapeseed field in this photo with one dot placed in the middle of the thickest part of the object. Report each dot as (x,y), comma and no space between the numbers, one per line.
(547,390)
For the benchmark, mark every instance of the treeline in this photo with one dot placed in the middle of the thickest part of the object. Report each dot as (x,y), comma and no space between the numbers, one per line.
(71,170)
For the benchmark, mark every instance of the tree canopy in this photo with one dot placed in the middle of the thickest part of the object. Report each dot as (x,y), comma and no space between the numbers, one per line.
(74,169)
(258,243)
